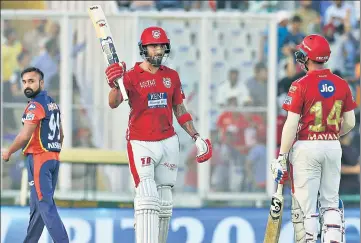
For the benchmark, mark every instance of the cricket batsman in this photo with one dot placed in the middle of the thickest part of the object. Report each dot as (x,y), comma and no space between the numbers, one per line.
(320,109)
(154,92)
(41,139)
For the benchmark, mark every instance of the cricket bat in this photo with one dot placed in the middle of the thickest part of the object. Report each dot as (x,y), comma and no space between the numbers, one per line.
(102,30)
(274,222)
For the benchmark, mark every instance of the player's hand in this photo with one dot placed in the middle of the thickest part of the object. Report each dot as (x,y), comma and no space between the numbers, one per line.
(5,156)
(114,72)
(204,148)
(279,169)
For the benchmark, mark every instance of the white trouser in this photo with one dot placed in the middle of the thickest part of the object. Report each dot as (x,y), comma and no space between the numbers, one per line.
(157,160)
(316,172)
(154,167)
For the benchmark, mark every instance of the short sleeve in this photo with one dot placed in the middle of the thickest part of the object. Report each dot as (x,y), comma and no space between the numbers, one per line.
(34,113)
(350,103)
(178,95)
(127,81)
(294,99)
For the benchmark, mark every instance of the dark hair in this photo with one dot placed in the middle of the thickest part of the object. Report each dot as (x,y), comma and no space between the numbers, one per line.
(296,19)
(50,45)
(33,69)
(233,70)
(259,66)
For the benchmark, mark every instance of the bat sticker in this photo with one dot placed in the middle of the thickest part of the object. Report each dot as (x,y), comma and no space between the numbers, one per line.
(276,206)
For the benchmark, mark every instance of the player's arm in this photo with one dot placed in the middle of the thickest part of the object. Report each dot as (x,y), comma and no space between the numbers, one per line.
(33,115)
(351,169)
(348,117)
(115,98)
(204,146)
(289,132)
(61,134)
(185,119)
(293,105)
(22,138)
(348,122)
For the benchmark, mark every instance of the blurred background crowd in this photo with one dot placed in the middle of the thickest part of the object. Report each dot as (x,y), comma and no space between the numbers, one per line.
(239,121)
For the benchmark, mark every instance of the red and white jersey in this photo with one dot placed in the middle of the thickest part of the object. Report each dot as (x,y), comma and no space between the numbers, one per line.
(151,98)
(321,98)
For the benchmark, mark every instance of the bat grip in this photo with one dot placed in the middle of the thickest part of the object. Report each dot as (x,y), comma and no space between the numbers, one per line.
(280,189)
(122,89)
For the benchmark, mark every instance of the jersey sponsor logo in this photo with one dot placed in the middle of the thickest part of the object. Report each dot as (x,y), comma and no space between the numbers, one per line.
(326,88)
(288,100)
(322,58)
(52,106)
(29,117)
(167,82)
(157,100)
(170,166)
(148,83)
(31,107)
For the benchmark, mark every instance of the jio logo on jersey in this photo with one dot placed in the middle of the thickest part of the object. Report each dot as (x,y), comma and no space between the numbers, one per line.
(326,88)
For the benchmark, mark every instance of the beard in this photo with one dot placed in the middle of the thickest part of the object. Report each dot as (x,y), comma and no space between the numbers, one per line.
(30,93)
(156,61)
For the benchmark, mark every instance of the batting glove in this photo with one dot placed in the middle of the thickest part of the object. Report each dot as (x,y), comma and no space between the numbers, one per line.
(279,169)
(204,148)
(114,72)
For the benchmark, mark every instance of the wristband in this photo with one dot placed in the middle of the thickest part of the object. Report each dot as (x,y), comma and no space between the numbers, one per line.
(184,118)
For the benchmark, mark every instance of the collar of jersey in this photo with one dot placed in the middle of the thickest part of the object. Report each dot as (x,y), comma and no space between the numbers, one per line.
(321,71)
(41,93)
(140,70)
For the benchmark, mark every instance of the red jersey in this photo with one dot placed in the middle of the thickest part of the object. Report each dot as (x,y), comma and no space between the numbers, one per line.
(241,123)
(151,99)
(321,98)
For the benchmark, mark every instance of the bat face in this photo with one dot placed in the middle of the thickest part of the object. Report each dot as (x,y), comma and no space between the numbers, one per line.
(104,35)
(274,219)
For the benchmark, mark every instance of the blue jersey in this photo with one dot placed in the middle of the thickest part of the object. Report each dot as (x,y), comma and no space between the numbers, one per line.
(43,111)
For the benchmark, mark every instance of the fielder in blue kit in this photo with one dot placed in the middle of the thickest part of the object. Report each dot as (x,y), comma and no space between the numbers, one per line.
(41,138)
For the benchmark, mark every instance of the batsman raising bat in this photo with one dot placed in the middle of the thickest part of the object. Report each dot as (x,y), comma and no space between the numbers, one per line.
(154,91)
(320,109)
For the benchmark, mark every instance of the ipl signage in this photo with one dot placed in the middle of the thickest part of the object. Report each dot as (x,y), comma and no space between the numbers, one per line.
(210,225)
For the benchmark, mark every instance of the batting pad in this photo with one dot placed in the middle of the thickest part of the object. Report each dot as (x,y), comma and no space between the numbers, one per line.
(146,206)
(166,206)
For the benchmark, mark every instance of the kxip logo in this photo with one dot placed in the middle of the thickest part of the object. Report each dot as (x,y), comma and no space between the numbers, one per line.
(326,88)
(156,34)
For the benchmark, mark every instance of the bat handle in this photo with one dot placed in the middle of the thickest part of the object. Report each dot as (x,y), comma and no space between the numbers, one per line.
(280,189)
(122,89)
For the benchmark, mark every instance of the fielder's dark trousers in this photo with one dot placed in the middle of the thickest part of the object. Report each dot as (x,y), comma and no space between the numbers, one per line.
(42,177)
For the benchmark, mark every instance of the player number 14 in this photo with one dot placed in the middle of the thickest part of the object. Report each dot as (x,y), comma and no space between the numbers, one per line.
(333,117)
